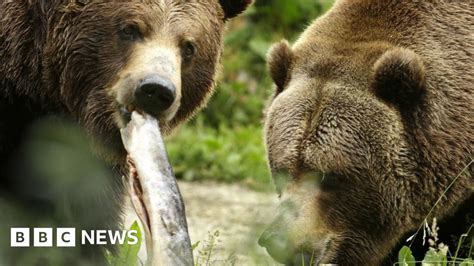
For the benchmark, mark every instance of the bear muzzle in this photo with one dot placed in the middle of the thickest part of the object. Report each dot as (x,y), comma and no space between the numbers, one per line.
(150,83)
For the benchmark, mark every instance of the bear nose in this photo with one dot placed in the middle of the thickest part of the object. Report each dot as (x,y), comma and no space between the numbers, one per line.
(155,95)
(276,245)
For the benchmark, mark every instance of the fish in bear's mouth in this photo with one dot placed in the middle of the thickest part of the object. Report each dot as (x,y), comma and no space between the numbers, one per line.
(153,188)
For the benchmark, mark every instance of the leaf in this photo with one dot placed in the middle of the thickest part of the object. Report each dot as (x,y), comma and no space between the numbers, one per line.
(434,258)
(405,257)
(128,254)
(195,245)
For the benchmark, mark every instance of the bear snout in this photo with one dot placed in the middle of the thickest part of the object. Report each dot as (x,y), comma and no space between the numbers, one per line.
(155,95)
(151,83)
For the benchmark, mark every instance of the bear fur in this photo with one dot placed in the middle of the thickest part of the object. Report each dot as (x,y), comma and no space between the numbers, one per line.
(61,61)
(371,131)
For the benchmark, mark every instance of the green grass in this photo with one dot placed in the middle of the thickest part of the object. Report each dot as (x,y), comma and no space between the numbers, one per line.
(224,154)
(434,257)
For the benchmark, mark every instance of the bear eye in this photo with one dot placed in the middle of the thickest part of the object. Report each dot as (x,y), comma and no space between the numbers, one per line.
(189,50)
(130,32)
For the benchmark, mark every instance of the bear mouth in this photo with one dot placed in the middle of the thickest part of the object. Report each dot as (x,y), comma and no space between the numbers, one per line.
(125,112)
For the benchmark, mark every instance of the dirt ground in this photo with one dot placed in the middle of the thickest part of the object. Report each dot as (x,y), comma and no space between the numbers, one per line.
(228,217)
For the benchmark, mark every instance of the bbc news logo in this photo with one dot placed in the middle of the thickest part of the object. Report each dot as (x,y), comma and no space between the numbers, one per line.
(66,237)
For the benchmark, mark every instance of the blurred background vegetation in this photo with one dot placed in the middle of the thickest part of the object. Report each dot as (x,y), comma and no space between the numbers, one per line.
(225,141)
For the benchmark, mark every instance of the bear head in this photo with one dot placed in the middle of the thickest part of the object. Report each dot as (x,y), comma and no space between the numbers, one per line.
(111,57)
(343,132)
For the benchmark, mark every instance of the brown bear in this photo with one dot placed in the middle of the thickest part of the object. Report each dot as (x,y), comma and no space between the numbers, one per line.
(371,131)
(93,62)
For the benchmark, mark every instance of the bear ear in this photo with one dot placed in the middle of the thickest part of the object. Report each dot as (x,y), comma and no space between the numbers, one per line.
(399,77)
(279,60)
(233,8)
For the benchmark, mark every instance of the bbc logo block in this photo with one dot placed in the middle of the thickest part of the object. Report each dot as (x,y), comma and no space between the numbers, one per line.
(66,237)
(20,237)
(42,237)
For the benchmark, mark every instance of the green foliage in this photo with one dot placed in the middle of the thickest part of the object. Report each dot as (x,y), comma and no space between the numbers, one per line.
(405,257)
(127,254)
(435,258)
(290,16)
(438,254)
(224,154)
(432,258)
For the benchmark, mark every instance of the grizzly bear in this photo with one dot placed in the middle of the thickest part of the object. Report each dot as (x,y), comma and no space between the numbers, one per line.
(90,63)
(370,132)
